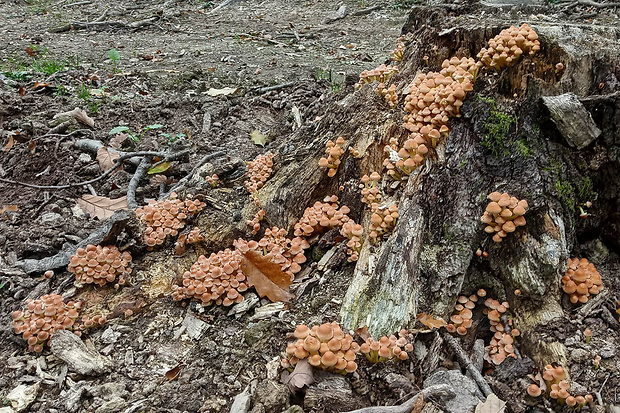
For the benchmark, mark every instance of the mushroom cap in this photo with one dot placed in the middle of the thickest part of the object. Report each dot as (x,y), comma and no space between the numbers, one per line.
(325,332)
(533,390)
(329,359)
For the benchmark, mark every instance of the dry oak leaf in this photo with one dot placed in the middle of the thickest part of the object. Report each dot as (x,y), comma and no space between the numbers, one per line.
(431,322)
(9,144)
(493,404)
(300,377)
(363,332)
(8,208)
(100,206)
(78,114)
(106,158)
(266,277)
(117,140)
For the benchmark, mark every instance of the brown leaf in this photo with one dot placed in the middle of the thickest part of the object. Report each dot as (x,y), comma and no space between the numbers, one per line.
(266,277)
(9,208)
(493,404)
(431,322)
(419,404)
(38,85)
(9,144)
(79,115)
(300,377)
(363,332)
(32,147)
(106,157)
(174,373)
(117,140)
(100,206)
(21,91)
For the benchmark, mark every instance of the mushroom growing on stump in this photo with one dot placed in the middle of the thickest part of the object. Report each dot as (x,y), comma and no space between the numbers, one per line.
(503,215)
(581,280)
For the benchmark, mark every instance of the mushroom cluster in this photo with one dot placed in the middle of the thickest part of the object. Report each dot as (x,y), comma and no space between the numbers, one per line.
(382,220)
(321,216)
(218,279)
(325,346)
(397,53)
(507,47)
(194,236)
(254,223)
(163,218)
(503,215)
(380,74)
(212,180)
(581,280)
(42,317)
(370,188)
(495,311)
(257,173)
(461,319)
(287,253)
(334,151)
(387,348)
(558,388)
(500,347)
(354,233)
(99,265)
(389,94)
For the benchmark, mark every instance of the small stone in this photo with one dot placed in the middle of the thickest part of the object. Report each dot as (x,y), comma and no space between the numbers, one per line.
(242,401)
(579,355)
(272,395)
(465,388)
(84,158)
(195,327)
(113,406)
(50,218)
(22,396)
(109,336)
(607,352)
(77,211)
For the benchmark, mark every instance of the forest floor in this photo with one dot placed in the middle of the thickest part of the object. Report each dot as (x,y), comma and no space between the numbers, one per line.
(180,74)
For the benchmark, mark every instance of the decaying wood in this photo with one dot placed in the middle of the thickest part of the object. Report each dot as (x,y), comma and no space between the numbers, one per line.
(135,181)
(433,392)
(462,357)
(572,119)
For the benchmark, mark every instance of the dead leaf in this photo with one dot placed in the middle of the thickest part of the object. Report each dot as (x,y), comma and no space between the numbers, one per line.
(258,138)
(117,140)
(179,246)
(419,404)
(266,277)
(363,332)
(32,147)
(21,91)
(106,158)
(174,373)
(9,144)
(162,167)
(538,379)
(38,85)
(492,405)
(300,377)
(224,91)
(158,180)
(78,114)
(100,206)
(431,322)
(8,208)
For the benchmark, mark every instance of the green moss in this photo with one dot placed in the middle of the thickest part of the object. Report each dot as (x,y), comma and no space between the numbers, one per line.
(566,193)
(496,129)
(523,149)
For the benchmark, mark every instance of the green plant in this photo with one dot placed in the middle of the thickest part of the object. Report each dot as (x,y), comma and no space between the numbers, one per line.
(566,193)
(133,136)
(335,82)
(115,57)
(171,138)
(523,149)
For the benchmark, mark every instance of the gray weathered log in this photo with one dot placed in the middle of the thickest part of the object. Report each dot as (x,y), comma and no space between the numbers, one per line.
(69,348)
(572,119)
(439,391)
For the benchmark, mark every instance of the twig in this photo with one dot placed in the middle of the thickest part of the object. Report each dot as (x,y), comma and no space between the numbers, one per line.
(103,24)
(275,87)
(592,304)
(466,362)
(609,98)
(79,3)
(367,11)
(221,6)
(58,129)
(43,205)
(440,390)
(591,3)
(135,180)
(181,184)
(263,39)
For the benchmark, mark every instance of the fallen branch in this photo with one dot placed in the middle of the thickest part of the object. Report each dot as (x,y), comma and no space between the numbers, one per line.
(591,3)
(367,11)
(120,218)
(104,24)
(592,305)
(262,39)
(440,390)
(609,98)
(221,6)
(181,184)
(462,357)
(135,180)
